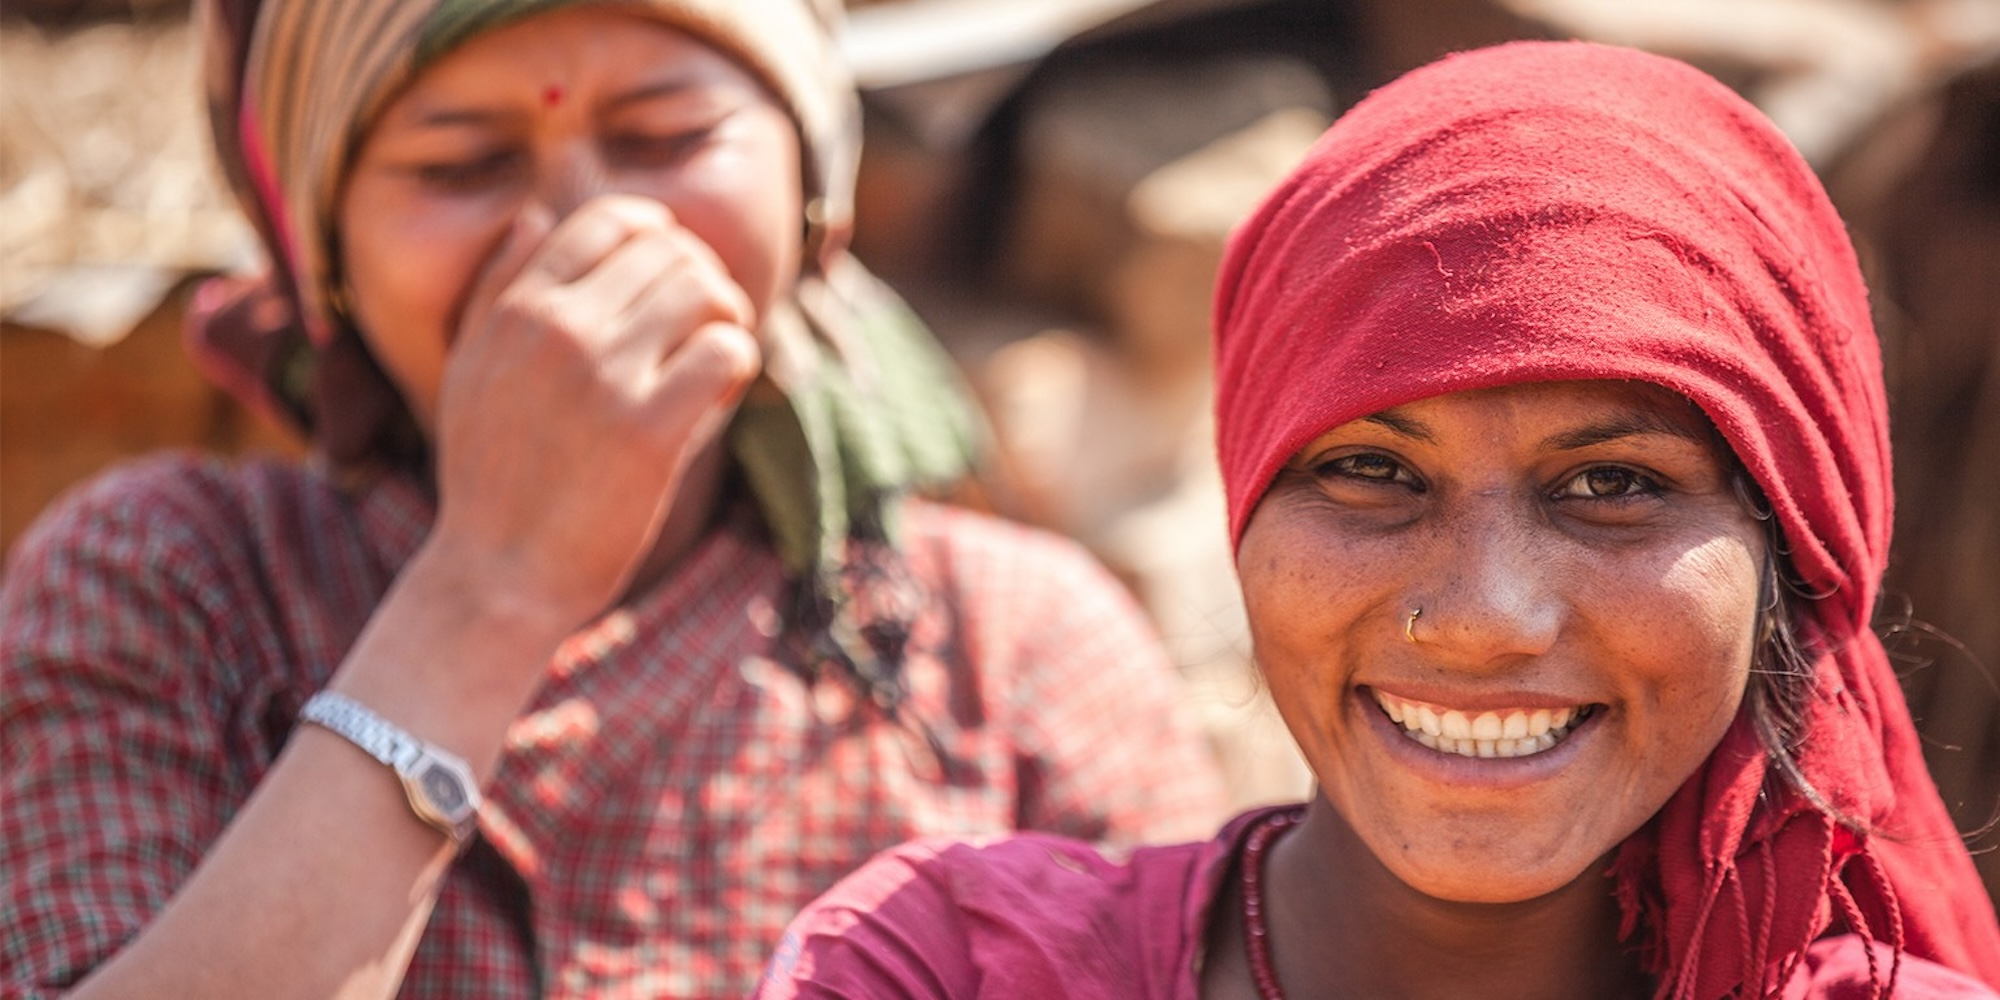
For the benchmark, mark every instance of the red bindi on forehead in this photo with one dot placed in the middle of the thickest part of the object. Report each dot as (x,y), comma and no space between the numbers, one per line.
(552,96)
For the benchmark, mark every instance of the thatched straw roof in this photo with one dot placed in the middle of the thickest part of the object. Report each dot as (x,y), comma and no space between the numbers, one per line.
(108,193)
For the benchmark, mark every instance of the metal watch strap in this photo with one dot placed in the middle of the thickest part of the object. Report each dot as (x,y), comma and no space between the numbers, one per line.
(439,785)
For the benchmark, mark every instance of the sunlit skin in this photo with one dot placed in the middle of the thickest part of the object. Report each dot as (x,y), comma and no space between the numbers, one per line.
(1570,544)
(556,241)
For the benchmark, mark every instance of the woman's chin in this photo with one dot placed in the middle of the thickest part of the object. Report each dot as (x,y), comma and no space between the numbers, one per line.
(1484,864)
(1483,886)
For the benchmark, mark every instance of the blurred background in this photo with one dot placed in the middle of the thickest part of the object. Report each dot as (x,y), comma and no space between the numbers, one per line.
(1050,183)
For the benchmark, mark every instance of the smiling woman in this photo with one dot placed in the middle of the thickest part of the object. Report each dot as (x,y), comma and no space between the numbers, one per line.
(1552,428)
(1578,554)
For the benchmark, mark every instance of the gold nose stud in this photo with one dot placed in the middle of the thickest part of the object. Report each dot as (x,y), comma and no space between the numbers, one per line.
(1410,624)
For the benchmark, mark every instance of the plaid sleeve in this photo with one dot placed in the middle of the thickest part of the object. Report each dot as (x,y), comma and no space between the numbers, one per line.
(1105,748)
(112,774)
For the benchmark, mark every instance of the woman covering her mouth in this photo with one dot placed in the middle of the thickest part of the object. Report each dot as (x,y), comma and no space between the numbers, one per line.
(1551,419)
(609,521)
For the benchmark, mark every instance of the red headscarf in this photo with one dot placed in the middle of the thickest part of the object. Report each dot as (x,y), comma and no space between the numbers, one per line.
(1551,211)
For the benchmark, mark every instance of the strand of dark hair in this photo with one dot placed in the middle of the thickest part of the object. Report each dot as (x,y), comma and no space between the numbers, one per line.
(1781,670)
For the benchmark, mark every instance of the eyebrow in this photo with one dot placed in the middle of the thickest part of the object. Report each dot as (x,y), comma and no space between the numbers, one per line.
(449,117)
(1627,425)
(650,92)
(457,117)
(1402,425)
(1624,426)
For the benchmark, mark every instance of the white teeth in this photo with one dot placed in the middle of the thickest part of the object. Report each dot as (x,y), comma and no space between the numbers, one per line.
(1486,728)
(1539,722)
(1513,733)
(1457,726)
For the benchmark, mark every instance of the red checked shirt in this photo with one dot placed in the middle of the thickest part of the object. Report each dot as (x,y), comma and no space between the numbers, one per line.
(672,798)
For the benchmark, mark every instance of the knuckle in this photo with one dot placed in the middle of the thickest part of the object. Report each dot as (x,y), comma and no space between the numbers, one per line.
(540,328)
(733,353)
(633,213)
(728,298)
(527,310)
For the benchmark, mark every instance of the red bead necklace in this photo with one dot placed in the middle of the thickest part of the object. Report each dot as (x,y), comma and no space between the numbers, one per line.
(1256,934)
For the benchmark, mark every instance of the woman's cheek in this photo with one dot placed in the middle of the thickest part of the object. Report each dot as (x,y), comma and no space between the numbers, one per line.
(1306,591)
(1690,621)
(1703,597)
(742,198)
(410,268)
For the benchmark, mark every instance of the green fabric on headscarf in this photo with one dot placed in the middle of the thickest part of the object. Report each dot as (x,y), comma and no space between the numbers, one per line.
(829,455)
(454,21)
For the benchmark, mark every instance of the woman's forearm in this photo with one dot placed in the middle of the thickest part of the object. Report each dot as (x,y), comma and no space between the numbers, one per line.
(322,883)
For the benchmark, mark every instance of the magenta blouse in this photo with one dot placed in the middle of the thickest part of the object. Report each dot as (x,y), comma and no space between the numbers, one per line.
(1043,917)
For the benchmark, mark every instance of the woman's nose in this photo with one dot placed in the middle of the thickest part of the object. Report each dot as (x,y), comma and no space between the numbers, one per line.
(568,176)
(1492,592)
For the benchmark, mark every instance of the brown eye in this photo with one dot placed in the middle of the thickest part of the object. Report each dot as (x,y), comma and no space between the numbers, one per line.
(1607,482)
(1367,465)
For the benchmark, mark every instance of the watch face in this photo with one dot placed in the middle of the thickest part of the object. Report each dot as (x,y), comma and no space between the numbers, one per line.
(444,789)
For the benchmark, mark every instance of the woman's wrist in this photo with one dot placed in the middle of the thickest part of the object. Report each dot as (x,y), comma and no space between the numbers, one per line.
(454,653)
(466,583)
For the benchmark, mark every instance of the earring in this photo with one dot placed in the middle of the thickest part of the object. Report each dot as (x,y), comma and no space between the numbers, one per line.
(819,227)
(1410,624)
(340,302)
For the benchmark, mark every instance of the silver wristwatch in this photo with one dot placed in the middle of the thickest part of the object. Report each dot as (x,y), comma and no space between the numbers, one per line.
(441,788)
